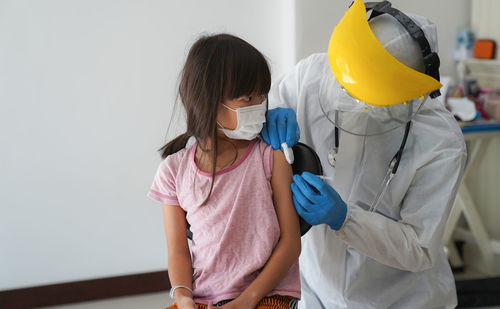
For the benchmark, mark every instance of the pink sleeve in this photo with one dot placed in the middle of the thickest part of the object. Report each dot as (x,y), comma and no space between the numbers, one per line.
(268,160)
(163,189)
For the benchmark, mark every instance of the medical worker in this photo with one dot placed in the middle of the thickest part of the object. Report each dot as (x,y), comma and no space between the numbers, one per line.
(393,157)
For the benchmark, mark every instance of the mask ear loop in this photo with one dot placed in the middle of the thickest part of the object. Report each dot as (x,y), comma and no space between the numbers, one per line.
(221,127)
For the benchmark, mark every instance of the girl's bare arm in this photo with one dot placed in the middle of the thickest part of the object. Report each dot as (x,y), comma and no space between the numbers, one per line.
(180,268)
(288,248)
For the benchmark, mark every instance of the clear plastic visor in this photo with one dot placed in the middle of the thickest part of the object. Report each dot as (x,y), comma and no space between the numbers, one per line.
(359,118)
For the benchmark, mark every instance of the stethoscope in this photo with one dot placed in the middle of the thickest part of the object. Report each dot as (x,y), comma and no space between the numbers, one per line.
(393,165)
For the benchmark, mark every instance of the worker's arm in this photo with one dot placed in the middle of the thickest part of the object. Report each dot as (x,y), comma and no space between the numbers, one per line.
(287,251)
(180,270)
(412,243)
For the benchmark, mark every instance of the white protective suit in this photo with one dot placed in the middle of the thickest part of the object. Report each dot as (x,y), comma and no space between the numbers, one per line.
(392,258)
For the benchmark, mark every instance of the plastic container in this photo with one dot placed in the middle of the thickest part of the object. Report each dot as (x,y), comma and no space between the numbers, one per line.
(492,106)
(485,49)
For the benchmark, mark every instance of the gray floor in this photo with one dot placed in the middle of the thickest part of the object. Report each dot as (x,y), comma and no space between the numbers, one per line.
(150,301)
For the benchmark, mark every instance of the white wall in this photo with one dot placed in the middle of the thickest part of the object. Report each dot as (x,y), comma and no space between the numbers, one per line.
(86,94)
(484,19)
(316,20)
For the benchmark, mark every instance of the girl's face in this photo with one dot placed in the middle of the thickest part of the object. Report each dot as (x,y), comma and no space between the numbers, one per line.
(227,118)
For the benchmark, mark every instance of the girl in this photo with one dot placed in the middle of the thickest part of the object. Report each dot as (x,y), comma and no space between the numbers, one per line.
(232,188)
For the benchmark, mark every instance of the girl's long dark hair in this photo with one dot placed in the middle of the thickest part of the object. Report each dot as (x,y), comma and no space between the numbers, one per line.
(218,68)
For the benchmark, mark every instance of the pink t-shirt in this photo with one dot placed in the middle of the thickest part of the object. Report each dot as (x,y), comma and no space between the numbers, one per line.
(235,233)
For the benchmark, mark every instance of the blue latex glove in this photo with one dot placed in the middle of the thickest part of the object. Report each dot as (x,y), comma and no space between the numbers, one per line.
(281,126)
(321,206)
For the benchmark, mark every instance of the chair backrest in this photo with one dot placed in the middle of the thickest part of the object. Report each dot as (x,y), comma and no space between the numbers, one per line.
(306,160)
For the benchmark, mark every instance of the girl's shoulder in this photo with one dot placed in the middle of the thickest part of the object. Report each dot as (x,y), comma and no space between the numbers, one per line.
(265,152)
(164,188)
(262,146)
(178,160)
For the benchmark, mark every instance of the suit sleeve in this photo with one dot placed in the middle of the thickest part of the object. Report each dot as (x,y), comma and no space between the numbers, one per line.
(413,242)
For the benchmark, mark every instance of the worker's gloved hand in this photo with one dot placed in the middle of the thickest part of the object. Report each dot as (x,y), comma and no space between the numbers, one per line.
(321,206)
(281,127)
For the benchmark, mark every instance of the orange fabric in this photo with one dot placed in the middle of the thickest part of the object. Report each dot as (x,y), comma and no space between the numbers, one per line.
(273,302)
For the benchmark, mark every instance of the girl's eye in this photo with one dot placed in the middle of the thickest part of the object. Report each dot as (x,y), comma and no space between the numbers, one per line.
(247,99)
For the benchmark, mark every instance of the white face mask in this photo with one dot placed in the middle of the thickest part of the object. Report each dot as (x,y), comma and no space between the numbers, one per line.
(250,121)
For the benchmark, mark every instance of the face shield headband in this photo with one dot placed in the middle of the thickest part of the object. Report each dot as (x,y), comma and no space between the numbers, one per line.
(431,59)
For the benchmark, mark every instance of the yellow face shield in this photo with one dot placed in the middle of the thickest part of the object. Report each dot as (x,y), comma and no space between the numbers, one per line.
(366,70)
